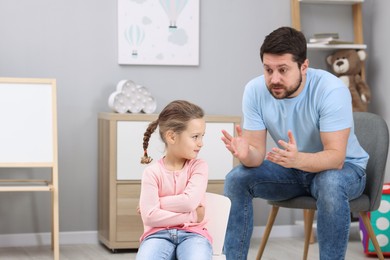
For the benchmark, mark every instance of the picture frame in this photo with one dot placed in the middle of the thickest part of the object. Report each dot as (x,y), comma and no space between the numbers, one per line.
(164,32)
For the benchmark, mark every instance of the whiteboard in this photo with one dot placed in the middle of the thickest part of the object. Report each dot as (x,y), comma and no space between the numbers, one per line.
(28,131)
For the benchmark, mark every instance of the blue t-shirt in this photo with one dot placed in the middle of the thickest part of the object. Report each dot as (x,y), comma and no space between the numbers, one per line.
(324,105)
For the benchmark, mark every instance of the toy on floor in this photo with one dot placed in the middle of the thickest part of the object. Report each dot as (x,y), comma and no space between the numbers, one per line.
(380,221)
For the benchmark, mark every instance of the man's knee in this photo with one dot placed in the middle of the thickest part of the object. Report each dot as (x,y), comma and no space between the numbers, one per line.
(331,195)
(235,180)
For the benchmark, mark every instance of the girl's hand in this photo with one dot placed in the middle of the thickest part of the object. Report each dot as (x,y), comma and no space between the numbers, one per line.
(200,211)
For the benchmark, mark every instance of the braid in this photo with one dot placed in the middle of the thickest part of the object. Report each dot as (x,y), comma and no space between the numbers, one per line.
(149,131)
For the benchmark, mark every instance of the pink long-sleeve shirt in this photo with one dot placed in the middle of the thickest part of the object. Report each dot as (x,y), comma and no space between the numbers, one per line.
(169,198)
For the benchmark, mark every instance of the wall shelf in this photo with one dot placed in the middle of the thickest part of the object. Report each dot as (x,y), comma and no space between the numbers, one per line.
(336,46)
(331,1)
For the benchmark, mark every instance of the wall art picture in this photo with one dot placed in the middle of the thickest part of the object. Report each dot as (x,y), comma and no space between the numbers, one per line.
(163,32)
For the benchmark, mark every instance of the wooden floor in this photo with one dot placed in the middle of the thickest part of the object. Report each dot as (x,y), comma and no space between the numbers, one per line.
(277,248)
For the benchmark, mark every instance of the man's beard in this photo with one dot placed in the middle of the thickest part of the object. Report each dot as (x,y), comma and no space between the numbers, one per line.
(287,93)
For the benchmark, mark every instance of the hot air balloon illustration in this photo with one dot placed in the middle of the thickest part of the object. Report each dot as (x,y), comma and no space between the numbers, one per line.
(134,35)
(173,9)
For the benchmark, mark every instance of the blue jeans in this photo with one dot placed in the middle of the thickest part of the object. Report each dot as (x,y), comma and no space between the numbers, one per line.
(332,189)
(172,244)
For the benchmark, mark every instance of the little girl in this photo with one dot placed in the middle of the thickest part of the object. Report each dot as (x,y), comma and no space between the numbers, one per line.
(173,188)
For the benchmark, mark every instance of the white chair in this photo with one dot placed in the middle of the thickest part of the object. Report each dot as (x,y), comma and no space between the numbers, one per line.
(217,213)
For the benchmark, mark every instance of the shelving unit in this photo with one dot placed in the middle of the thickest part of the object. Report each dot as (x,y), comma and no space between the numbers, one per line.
(358,42)
(120,148)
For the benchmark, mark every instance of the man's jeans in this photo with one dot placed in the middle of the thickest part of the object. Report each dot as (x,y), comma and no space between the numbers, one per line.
(171,244)
(332,189)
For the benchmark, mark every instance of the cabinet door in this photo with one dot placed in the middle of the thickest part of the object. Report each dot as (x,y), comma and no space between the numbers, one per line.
(214,152)
(129,225)
(129,149)
(130,136)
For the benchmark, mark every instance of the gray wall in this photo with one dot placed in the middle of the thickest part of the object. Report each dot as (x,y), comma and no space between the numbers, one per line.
(76,43)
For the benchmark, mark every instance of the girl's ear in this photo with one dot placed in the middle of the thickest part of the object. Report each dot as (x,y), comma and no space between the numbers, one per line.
(170,136)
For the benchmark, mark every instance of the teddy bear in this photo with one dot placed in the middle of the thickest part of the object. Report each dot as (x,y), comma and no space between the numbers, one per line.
(346,64)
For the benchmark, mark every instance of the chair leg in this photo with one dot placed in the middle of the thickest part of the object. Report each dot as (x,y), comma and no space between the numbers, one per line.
(367,225)
(312,238)
(267,231)
(308,226)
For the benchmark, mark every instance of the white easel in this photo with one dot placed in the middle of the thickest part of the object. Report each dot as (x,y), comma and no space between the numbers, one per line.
(28,138)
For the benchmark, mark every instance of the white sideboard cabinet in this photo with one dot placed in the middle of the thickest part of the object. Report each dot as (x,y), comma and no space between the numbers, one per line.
(120,138)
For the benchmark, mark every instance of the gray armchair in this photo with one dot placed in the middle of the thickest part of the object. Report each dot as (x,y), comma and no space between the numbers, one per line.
(372,133)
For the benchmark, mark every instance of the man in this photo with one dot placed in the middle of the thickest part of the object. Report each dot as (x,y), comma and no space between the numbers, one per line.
(308,113)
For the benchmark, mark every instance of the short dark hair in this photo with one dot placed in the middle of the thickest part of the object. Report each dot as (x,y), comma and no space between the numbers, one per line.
(286,40)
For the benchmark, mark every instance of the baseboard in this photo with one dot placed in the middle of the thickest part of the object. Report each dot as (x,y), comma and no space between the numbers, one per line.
(91,237)
(41,239)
